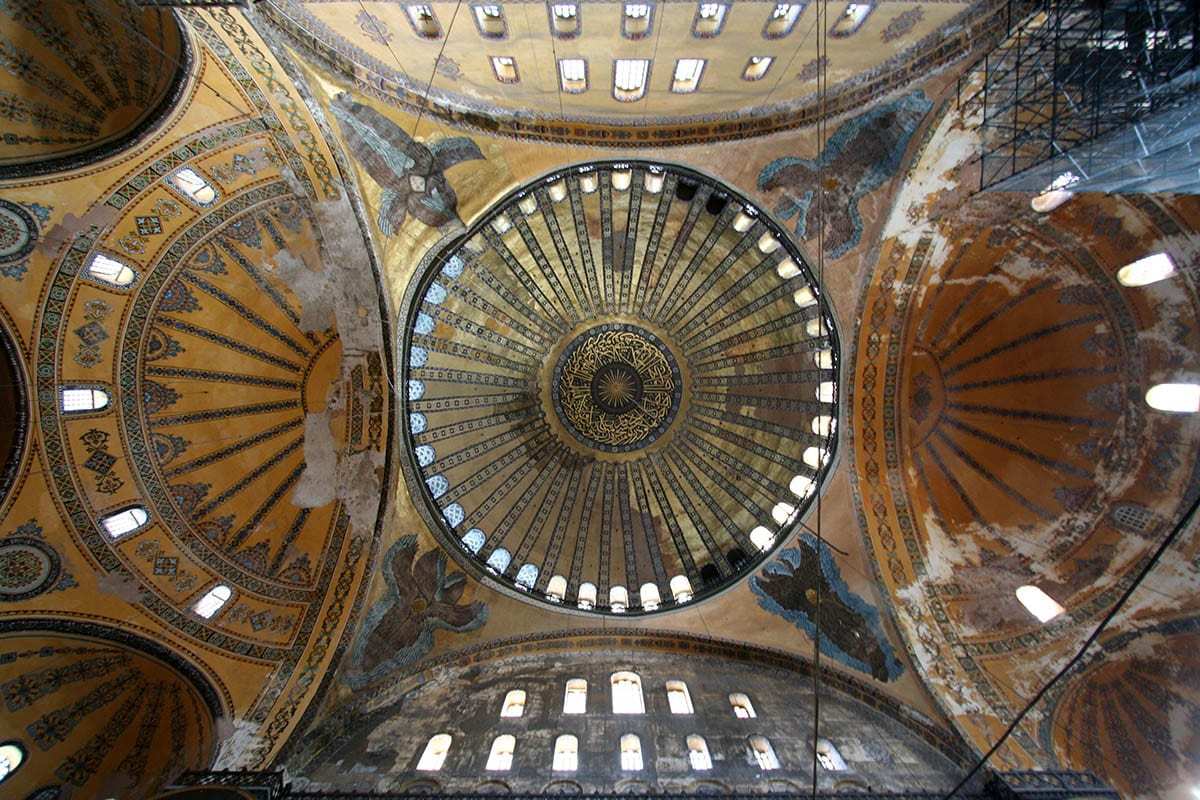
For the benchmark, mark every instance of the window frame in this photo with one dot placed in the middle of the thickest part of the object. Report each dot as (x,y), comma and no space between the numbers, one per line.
(556,31)
(212,592)
(513,697)
(652,12)
(836,30)
(169,180)
(573,753)
(633,679)
(692,753)
(426,751)
(768,759)
(127,509)
(725,8)
(645,79)
(496,72)
(734,704)
(641,761)
(476,13)
(567,693)
(499,759)
(437,23)
(116,259)
(750,63)
(587,82)
(697,81)
(677,688)
(791,26)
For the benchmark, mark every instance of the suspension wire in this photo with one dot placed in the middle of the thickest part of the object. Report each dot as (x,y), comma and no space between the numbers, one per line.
(553,49)
(822,43)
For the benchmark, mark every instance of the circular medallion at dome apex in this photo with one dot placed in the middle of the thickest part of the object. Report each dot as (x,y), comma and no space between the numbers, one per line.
(620,389)
(616,387)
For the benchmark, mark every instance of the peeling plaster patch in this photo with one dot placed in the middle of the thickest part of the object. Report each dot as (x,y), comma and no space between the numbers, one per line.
(317,485)
(122,586)
(241,745)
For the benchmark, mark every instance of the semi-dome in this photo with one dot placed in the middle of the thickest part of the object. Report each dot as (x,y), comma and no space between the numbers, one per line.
(620,388)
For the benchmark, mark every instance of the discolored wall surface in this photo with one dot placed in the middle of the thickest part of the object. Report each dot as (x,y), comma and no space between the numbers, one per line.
(377,743)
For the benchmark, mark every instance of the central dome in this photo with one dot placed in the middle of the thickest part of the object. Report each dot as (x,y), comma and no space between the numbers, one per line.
(616,387)
(621,389)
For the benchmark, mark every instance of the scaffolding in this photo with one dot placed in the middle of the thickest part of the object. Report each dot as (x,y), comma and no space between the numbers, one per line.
(1099,94)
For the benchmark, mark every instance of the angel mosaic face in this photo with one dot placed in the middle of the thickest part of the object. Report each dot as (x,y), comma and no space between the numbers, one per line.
(620,387)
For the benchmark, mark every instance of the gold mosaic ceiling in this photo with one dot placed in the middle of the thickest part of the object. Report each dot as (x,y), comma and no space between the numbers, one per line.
(615,377)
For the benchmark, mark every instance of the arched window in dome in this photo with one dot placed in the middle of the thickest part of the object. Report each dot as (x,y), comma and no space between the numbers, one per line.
(627,693)
(1054,195)
(618,599)
(1181,398)
(710,19)
(527,576)
(573,77)
(438,485)
(1038,603)
(681,589)
(489,19)
(762,538)
(763,753)
(12,756)
(851,18)
(823,425)
(454,515)
(564,20)
(501,756)
(575,699)
(425,455)
(514,704)
(621,179)
(678,698)
(787,269)
(823,359)
(828,756)
(81,399)
(1144,271)
(556,589)
(631,752)
(814,457)
(710,574)
(499,560)
(826,391)
(782,20)
(698,755)
(193,186)
(473,540)
(756,68)
(505,69)
(109,270)
(423,21)
(435,752)
(124,522)
(801,485)
(587,596)
(742,707)
(629,79)
(636,19)
(212,602)
(736,557)
(782,513)
(566,754)
(649,597)
(805,297)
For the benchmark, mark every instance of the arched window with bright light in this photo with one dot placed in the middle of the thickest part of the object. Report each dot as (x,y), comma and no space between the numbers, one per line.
(193,186)
(618,599)
(627,693)
(514,704)
(501,756)
(742,707)
(575,699)
(212,601)
(527,576)
(109,270)
(124,522)
(81,399)
(681,589)
(631,752)
(678,697)
(828,756)
(698,755)
(649,596)
(12,756)
(1144,271)
(1038,603)
(763,753)
(499,560)
(1181,398)
(587,596)
(566,753)
(762,538)
(473,540)
(556,589)
(435,752)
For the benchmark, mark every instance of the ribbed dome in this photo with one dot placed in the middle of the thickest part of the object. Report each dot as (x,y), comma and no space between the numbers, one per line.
(622,374)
